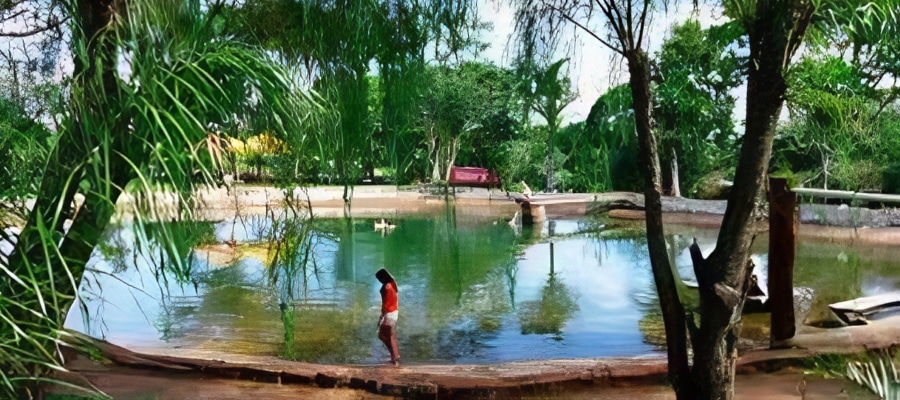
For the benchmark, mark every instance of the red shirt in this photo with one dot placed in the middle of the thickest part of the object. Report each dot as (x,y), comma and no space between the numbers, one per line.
(389,300)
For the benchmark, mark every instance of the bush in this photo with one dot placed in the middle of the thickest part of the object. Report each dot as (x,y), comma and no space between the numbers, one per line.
(24,145)
(713,186)
(890,182)
(856,175)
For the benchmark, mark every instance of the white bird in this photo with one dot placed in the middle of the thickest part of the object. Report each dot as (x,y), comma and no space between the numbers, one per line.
(384,224)
(527,190)
(513,222)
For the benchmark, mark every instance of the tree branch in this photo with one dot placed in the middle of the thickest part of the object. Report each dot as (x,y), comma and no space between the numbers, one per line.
(615,20)
(643,22)
(35,31)
(589,32)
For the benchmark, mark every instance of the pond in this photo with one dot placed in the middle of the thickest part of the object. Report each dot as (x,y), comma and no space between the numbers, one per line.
(472,290)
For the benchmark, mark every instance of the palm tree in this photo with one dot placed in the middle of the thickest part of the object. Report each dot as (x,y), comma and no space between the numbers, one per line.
(151,79)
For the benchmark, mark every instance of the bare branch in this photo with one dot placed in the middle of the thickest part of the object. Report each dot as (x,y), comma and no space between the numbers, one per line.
(607,8)
(643,23)
(12,16)
(629,21)
(590,32)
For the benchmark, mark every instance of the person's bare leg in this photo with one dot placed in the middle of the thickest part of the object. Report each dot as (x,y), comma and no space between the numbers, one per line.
(395,352)
(389,338)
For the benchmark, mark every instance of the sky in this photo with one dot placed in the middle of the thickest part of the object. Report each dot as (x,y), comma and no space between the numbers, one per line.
(593,69)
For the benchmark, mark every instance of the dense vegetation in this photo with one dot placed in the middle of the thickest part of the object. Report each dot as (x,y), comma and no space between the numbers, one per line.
(418,115)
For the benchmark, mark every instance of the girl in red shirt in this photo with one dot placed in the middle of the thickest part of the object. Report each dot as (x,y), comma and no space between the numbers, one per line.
(387,324)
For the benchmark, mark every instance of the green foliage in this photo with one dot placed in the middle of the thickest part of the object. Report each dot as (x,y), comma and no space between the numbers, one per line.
(838,133)
(828,364)
(698,68)
(467,107)
(789,176)
(864,32)
(498,120)
(581,167)
(843,112)
(138,125)
(24,145)
(547,94)
(335,43)
(610,131)
(891,178)
(878,372)
(523,160)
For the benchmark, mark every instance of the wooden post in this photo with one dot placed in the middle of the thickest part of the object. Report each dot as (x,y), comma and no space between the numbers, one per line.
(532,214)
(783,225)
(551,258)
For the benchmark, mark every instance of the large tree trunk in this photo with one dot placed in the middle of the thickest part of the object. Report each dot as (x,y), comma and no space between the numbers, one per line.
(776,31)
(663,276)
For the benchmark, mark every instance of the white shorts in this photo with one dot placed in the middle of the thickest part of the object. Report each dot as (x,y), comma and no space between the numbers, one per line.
(389,318)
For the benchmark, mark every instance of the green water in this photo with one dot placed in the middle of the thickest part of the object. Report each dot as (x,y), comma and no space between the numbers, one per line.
(473,289)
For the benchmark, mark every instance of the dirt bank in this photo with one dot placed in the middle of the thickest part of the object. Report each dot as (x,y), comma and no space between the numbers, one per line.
(139,376)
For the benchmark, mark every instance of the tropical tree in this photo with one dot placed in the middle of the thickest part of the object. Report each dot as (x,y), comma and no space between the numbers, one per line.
(134,127)
(335,43)
(457,103)
(598,155)
(842,98)
(696,71)
(775,30)
(547,94)
(834,125)
(861,31)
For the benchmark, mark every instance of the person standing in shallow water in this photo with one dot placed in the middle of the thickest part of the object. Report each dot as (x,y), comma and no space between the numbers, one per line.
(387,324)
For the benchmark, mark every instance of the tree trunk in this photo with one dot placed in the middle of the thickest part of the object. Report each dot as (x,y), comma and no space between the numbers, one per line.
(549,184)
(775,33)
(60,271)
(666,173)
(676,182)
(714,341)
(663,276)
(783,224)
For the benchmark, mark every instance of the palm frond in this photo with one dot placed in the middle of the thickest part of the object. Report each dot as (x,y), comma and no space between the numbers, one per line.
(149,88)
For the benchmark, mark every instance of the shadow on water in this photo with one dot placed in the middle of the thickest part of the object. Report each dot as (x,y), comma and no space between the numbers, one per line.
(473,289)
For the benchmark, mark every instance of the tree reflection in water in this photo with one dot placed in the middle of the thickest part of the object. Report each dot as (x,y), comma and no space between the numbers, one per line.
(548,315)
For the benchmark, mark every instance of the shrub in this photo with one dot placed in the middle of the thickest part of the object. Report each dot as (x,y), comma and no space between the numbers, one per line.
(890,181)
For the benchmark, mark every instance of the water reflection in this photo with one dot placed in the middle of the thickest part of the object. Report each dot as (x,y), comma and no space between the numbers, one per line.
(549,313)
(472,290)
